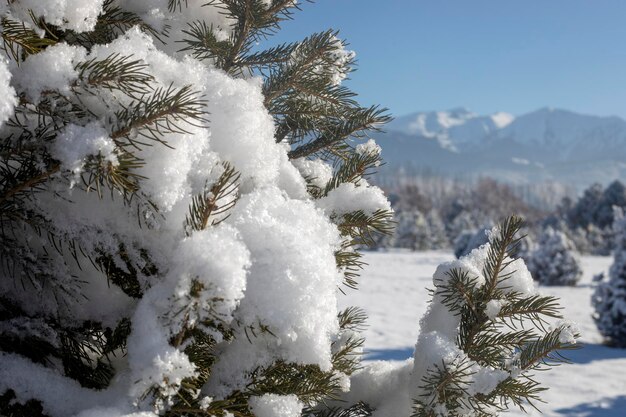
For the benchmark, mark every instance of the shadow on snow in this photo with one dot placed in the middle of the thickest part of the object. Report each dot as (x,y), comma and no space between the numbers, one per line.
(608,407)
(591,352)
(588,354)
(389,354)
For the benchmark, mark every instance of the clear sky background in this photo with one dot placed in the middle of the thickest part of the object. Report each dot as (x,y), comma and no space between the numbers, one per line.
(486,55)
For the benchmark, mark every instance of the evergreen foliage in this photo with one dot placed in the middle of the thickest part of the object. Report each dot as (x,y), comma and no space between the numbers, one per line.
(491,309)
(609,298)
(175,228)
(555,260)
(595,207)
(119,97)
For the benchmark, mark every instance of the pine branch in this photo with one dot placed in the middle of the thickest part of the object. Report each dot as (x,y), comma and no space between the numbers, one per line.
(203,44)
(346,350)
(116,72)
(172,5)
(253,21)
(349,262)
(523,391)
(499,341)
(121,177)
(353,169)
(352,318)
(313,53)
(161,113)
(443,385)
(316,107)
(356,123)
(361,227)
(19,41)
(544,351)
(110,24)
(500,246)
(308,382)
(268,58)
(535,308)
(460,294)
(207,207)
(347,357)
(33,182)
(492,347)
(126,279)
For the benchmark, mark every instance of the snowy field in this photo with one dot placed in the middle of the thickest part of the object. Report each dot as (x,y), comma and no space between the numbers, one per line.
(392,292)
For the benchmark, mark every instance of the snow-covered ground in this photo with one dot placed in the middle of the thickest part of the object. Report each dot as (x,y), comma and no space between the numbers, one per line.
(393,293)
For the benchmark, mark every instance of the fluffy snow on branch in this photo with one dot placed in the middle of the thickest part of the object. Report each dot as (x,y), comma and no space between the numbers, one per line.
(342,58)
(316,171)
(369,147)
(290,291)
(76,142)
(50,70)
(273,405)
(77,15)
(568,331)
(349,197)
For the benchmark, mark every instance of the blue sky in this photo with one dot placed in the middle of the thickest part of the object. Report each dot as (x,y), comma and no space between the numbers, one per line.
(486,55)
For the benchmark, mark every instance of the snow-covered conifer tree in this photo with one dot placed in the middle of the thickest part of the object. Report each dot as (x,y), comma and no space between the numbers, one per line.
(173,231)
(609,298)
(437,231)
(412,231)
(180,209)
(473,356)
(600,241)
(555,260)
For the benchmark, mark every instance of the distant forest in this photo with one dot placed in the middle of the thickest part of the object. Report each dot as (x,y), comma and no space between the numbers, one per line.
(433,212)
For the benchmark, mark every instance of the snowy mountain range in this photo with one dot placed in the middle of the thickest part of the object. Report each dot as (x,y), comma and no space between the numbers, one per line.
(547,144)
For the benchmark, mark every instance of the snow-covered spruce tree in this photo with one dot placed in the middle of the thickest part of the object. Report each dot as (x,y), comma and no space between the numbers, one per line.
(600,241)
(412,230)
(483,337)
(555,260)
(609,298)
(438,237)
(179,209)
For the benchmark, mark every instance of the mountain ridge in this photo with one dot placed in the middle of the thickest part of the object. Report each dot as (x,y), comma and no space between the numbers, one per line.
(548,144)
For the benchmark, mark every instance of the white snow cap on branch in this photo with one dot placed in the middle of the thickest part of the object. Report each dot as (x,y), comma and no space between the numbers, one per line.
(274,405)
(77,15)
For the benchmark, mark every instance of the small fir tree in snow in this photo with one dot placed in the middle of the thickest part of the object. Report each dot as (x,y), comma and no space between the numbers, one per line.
(555,261)
(484,335)
(437,231)
(412,231)
(474,355)
(600,241)
(455,226)
(407,228)
(609,298)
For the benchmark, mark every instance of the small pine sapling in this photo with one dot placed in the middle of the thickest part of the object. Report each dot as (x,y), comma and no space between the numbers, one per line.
(555,260)
(486,333)
(609,297)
